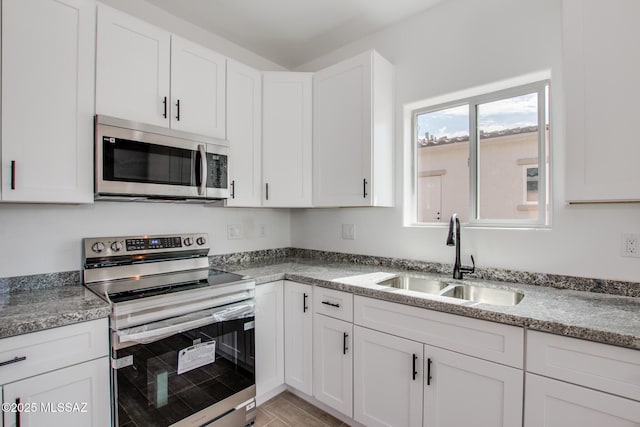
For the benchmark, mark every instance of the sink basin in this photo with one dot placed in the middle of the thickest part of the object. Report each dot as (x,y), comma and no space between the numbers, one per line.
(484,295)
(473,293)
(418,284)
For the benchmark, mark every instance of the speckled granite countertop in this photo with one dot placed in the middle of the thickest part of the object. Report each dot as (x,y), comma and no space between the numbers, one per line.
(30,310)
(592,316)
(33,303)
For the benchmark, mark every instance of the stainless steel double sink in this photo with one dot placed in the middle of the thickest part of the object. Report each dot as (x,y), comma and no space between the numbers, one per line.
(474,293)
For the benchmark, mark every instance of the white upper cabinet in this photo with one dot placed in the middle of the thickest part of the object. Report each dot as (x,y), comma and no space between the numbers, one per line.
(286,139)
(197,89)
(602,65)
(47,100)
(244,133)
(353,133)
(144,74)
(133,67)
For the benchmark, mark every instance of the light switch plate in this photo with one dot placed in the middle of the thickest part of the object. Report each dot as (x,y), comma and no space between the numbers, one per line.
(348,231)
(234,231)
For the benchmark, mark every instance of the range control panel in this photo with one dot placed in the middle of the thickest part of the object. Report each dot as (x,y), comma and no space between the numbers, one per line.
(105,247)
(153,243)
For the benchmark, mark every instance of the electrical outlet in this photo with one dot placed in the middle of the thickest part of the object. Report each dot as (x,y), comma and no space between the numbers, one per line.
(262,230)
(630,245)
(348,231)
(234,231)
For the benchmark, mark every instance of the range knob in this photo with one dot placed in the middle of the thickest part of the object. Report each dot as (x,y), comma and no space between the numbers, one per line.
(201,241)
(97,247)
(116,246)
(188,241)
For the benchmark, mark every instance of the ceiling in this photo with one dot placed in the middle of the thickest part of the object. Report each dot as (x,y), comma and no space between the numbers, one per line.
(291,32)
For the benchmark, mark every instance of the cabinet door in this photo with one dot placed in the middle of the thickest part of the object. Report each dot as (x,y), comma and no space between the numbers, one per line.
(269,337)
(47,100)
(601,66)
(466,391)
(244,132)
(197,89)
(333,363)
(75,396)
(352,133)
(133,65)
(552,403)
(387,379)
(286,139)
(298,336)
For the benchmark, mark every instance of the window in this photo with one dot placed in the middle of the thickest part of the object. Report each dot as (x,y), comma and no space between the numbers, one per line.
(479,157)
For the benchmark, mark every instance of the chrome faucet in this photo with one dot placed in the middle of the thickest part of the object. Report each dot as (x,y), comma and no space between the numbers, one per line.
(454,239)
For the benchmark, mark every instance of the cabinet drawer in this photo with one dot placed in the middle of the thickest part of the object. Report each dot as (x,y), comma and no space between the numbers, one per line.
(600,366)
(53,349)
(486,340)
(333,303)
(552,403)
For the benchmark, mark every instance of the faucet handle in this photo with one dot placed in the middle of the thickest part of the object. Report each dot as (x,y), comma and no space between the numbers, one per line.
(467,269)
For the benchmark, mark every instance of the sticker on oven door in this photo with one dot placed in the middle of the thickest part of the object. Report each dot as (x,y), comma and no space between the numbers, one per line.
(196,356)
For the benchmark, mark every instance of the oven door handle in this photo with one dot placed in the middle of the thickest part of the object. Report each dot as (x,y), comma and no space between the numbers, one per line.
(157,331)
(147,337)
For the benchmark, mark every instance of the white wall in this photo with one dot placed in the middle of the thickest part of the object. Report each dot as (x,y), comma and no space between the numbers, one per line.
(457,45)
(47,238)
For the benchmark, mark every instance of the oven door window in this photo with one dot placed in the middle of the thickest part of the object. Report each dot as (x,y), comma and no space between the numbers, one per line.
(167,380)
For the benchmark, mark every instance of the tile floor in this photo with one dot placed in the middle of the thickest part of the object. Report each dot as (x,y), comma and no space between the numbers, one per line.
(287,409)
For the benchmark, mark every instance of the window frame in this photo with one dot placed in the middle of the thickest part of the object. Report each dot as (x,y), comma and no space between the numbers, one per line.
(543,90)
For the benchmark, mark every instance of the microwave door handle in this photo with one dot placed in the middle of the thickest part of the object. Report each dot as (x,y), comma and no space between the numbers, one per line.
(203,170)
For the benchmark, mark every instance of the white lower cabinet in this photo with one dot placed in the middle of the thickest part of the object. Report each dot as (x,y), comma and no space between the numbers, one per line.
(449,388)
(573,382)
(269,337)
(462,390)
(74,396)
(553,403)
(333,363)
(387,379)
(298,336)
(57,377)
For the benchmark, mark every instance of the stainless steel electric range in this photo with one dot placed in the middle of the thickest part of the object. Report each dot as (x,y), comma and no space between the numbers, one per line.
(182,334)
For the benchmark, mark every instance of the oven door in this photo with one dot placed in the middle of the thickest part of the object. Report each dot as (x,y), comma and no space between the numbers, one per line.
(138,163)
(191,370)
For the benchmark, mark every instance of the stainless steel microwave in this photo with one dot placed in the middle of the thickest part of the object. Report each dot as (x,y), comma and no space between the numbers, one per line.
(138,161)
